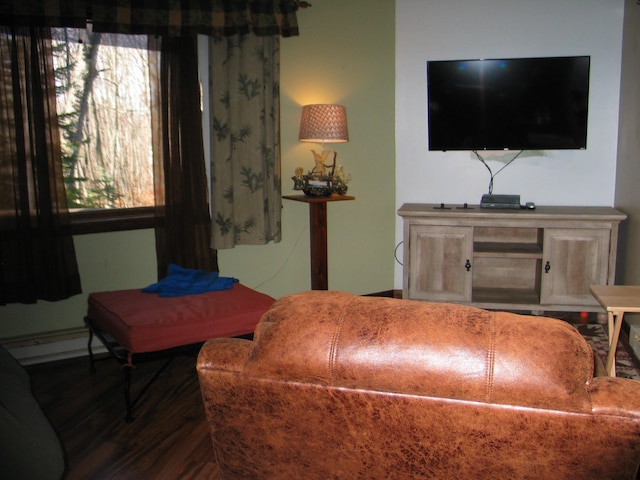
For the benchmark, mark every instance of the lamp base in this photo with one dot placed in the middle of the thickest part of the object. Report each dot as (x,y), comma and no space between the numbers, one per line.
(317,185)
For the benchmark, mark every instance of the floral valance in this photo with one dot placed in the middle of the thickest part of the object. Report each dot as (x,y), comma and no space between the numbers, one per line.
(216,18)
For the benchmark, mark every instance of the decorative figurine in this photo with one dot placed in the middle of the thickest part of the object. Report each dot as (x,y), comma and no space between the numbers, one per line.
(298,179)
(320,168)
(319,182)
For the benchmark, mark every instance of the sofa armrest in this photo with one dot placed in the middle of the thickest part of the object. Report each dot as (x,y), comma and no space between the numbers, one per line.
(615,396)
(599,369)
(227,354)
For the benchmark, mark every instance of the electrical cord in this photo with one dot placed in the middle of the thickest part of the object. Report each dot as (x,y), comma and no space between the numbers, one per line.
(492,175)
(395,252)
(286,260)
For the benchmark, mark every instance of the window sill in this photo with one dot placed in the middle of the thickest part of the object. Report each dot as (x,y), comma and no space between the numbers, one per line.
(101,221)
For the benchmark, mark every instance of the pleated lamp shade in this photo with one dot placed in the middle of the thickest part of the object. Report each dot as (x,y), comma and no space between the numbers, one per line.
(324,123)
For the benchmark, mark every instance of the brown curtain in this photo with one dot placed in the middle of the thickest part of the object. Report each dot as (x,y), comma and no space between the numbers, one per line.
(179,169)
(178,138)
(37,254)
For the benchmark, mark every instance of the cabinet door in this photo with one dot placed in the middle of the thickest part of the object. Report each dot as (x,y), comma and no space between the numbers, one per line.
(574,259)
(439,263)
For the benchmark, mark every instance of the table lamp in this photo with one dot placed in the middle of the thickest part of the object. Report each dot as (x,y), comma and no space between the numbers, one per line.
(322,123)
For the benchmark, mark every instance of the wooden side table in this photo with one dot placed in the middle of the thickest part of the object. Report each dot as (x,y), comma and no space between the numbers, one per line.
(616,300)
(318,235)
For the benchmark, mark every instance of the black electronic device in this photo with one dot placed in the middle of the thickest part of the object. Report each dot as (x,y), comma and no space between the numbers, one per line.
(500,201)
(508,104)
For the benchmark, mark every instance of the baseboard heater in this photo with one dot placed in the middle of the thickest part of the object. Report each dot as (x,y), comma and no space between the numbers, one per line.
(51,346)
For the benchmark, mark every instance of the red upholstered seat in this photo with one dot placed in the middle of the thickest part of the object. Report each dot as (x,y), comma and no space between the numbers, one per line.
(143,322)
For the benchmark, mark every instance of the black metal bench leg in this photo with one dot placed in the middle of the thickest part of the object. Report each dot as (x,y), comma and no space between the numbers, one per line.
(92,367)
(127,393)
(127,385)
(126,359)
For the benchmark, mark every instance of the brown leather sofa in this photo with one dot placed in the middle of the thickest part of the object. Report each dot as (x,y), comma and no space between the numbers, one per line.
(341,386)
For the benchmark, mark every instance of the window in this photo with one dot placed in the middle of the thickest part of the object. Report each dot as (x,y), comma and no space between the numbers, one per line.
(103,104)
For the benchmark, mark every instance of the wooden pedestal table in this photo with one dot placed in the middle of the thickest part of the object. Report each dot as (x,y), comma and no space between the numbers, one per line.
(616,300)
(318,235)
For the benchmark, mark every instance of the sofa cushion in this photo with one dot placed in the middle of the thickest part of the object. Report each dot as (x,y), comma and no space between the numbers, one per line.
(144,322)
(442,350)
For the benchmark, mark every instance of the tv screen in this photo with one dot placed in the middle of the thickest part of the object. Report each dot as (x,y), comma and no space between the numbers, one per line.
(508,104)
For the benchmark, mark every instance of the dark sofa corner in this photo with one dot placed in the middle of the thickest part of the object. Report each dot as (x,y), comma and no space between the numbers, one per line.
(31,449)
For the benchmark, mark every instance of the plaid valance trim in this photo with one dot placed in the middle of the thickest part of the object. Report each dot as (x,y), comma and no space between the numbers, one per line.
(217,18)
(44,13)
(208,17)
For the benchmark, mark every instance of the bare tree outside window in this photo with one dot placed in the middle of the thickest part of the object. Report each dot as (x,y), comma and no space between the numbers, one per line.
(103,103)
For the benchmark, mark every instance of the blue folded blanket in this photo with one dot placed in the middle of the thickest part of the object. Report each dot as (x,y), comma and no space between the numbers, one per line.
(183,281)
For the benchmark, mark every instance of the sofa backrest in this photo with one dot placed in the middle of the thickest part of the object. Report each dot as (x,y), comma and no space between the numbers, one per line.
(442,350)
(339,386)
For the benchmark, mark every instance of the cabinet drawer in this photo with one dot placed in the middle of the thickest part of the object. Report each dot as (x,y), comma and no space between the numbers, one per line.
(494,273)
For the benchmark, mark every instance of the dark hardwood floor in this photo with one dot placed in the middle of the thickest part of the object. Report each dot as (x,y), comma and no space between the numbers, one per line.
(168,438)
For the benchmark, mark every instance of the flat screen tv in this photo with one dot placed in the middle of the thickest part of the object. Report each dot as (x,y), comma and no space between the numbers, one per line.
(508,104)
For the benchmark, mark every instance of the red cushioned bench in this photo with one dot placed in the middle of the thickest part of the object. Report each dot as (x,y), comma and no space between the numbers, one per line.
(131,323)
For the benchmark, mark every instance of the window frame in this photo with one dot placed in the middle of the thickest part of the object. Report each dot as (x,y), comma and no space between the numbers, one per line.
(87,221)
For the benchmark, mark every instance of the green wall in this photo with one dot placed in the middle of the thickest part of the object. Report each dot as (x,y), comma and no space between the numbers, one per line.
(107,261)
(344,54)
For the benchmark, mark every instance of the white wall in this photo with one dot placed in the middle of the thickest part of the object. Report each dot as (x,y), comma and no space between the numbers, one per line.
(467,29)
